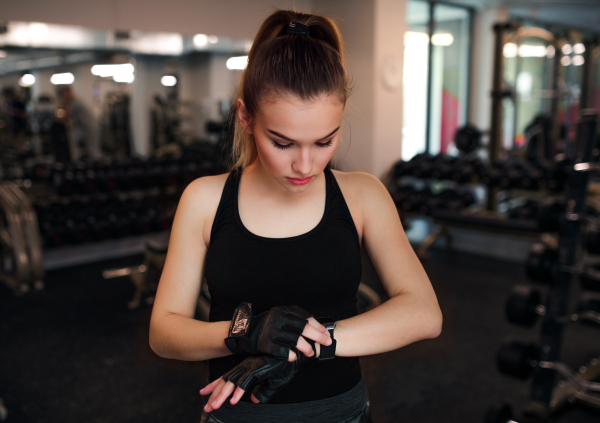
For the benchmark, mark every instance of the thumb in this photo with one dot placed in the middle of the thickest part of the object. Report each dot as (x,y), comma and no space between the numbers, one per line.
(254,399)
(292,356)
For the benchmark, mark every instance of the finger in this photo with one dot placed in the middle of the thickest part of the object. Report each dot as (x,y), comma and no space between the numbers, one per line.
(209,404)
(317,336)
(292,356)
(223,395)
(237,395)
(304,347)
(210,387)
(313,322)
(254,399)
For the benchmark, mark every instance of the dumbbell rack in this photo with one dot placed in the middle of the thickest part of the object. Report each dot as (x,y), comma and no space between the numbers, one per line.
(547,396)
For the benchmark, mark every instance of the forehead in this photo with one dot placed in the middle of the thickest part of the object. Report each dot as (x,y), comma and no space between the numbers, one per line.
(301,119)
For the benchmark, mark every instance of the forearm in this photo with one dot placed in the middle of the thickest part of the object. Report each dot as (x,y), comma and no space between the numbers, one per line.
(400,321)
(182,338)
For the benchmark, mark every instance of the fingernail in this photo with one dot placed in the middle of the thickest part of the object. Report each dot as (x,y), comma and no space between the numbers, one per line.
(328,342)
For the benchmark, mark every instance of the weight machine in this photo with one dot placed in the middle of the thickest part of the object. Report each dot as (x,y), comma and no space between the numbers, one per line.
(22,263)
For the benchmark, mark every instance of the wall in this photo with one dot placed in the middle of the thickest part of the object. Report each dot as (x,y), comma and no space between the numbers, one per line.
(373,31)
(231,18)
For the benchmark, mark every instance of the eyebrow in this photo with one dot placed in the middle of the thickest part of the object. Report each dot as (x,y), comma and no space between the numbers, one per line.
(289,139)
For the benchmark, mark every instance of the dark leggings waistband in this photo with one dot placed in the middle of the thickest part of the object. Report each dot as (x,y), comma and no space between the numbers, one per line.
(334,409)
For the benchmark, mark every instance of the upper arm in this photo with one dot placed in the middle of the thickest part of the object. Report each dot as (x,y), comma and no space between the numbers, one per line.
(182,275)
(392,256)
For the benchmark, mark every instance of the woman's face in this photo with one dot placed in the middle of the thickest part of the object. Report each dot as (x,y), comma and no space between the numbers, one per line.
(296,139)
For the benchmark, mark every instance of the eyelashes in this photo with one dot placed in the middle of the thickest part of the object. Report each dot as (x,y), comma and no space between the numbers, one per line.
(286,146)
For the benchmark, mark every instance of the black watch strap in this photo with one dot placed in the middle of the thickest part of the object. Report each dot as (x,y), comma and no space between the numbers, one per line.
(327,351)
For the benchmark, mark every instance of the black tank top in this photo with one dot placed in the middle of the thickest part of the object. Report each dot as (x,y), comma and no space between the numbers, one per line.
(319,271)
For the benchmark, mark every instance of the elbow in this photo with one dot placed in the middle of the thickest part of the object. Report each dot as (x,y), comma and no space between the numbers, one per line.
(155,344)
(436,327)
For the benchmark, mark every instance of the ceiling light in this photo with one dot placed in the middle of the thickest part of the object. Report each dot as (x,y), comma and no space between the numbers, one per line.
(168,80)
(200,40)
(62,78)
(237,63)
(27,80)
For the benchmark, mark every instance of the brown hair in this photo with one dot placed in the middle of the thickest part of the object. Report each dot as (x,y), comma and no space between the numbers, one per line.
(281,64)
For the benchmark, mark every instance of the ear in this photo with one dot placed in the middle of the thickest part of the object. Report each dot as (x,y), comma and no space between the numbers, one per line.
(244,116)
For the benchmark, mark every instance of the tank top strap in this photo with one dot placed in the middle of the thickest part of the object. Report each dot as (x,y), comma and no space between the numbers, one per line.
(339,210)
(225,209)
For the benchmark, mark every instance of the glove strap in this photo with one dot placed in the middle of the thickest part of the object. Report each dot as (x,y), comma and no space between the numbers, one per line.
(327,352)
(240,326)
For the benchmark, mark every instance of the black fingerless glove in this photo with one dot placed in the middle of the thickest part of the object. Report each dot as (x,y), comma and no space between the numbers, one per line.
(267,374)
(273,332)
(264,391)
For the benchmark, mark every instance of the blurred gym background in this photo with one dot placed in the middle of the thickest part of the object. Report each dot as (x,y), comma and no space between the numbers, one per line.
(480,116)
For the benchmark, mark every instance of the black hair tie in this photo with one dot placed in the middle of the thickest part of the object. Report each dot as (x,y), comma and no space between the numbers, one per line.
(297,28)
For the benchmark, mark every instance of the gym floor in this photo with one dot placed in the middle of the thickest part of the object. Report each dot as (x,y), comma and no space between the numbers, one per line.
(74,353)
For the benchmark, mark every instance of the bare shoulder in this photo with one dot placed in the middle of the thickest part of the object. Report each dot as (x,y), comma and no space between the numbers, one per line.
(200,200)
(364,195)
(361,187)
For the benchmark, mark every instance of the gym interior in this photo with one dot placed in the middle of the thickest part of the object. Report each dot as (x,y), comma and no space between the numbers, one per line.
(479,116)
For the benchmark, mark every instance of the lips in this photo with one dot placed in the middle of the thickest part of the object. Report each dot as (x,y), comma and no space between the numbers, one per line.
(300,181)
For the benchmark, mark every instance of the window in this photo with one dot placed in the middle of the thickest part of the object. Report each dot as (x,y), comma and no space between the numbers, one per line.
(436,74)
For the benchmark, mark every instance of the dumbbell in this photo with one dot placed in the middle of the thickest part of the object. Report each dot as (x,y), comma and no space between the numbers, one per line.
(416,201)
(402,168)
(467,138)
(63,179)
(401,194)
(542,257)
(511,176)
(100,229)
(465,171)
(134,176)
(531,177)
(523,307)
(76,231)
(517,359)
(491,175)
(107,178)
(85,179)
(549,214)
(54,235)
(445,168)
(539,262)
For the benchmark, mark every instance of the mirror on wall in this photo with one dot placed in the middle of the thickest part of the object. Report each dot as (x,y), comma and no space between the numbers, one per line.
(72,93)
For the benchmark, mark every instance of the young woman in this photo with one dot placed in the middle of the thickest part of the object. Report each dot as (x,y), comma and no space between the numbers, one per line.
(278,240)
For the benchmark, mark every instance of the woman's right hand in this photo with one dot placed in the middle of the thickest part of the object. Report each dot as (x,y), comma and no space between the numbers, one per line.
(314,331)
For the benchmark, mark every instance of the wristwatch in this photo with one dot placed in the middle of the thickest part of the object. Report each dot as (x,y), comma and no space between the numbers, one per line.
(327,351)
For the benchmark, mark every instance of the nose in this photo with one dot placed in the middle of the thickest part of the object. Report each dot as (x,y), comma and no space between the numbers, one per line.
(302,163)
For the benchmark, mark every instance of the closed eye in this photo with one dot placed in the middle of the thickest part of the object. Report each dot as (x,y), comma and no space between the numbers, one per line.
(286,146)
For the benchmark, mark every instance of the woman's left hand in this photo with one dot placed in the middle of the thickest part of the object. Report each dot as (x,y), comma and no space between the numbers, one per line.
(221,390)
